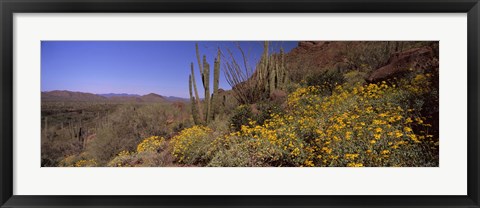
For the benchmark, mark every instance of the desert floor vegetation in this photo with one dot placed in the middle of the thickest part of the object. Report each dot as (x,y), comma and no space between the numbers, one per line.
(323,104)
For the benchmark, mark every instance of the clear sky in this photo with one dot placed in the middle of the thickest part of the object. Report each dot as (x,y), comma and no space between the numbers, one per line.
(134,67)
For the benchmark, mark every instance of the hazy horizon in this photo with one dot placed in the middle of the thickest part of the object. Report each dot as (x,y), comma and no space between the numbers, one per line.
(135,67)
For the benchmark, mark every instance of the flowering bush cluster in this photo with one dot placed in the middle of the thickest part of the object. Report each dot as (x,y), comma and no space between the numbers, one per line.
(81,160)
(150,144)
(367,125)
(191,144)
(148,154)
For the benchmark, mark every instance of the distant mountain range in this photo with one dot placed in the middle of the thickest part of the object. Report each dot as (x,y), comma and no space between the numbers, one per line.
(119,95)
(65,95)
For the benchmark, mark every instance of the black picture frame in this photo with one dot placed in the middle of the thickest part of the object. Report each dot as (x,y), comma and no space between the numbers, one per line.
(9,7)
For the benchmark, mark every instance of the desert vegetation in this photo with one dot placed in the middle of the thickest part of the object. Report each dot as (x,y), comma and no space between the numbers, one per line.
(322,104)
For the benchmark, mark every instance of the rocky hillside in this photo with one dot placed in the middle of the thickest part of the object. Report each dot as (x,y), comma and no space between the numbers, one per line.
(378,59)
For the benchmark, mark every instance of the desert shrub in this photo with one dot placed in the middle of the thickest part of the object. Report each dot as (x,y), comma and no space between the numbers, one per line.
(237,151)
(80,160)
(241,116)
(354,78)
(422,86)
(108,142)
(129,124)
(264,111)
(55,148)
(258,113)
(292,87)
(141,159)
(220,124)
(191,145)
(123,159)
(370,55)
(151,144)
(371,125)
(325,79)
(153,151)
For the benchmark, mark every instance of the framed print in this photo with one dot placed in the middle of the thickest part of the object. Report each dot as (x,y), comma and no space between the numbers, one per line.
(247,104)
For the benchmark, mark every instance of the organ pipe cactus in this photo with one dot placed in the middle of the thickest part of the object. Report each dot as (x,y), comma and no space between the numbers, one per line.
(204,68)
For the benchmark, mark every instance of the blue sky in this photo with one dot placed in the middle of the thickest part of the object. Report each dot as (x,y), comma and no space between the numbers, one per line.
(136,67)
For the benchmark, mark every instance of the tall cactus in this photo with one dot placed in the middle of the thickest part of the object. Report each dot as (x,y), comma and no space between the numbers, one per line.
(193,103)
(196,99)
(216,77)
(204,68)
(263,76)
(206,86)
(272,73)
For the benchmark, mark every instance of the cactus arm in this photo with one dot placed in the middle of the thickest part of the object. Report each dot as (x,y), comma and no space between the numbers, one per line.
(200,67)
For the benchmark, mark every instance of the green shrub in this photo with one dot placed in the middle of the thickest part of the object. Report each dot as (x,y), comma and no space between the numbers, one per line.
(241,116)
(354,78)
(258,113)
(326,80)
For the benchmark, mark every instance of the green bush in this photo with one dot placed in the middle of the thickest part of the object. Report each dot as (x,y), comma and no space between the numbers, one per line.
(241,116)
(129,124)
(326,80)
(354,78)
(258,113)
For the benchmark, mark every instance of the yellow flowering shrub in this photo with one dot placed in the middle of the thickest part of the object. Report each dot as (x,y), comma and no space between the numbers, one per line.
(150,152)
(368,125)
(86,163)
(80,160)
(191,145)
(151,144)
